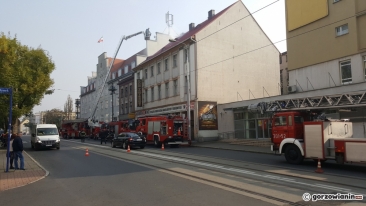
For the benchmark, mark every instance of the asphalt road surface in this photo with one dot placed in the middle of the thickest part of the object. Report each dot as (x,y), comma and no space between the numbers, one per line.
(75,179)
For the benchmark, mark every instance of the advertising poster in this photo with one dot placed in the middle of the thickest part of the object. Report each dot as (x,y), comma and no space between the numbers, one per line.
(207,115)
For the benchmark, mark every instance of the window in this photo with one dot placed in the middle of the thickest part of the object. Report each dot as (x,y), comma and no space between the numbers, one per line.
(152,94)
(174,60)
(167,90)
(185,55)
(166,64)
(159,92)
(138,75)
(122,112)
(346,73)
(126,111)
(130,106)
(299,120)
(119,72)
(280,121)
(130,89)
(175,87)
(126,69)
(145,95)
(159,68)
(122,92)
(113,75)
(341,30)
(126,91)
(152,70)
(185,85)
(133,65)
(145,73)
(364,65)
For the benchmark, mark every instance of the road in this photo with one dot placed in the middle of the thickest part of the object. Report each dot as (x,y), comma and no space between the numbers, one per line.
(176,176)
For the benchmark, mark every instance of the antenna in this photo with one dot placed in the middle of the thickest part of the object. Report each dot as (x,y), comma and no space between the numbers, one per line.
(169,21)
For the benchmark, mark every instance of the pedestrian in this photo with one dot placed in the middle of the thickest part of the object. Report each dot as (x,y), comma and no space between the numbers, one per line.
(103,137)
(17,150)
(11,153)
(82,135)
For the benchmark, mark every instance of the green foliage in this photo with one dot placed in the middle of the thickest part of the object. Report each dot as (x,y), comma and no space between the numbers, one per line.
(54,116)
(27,71)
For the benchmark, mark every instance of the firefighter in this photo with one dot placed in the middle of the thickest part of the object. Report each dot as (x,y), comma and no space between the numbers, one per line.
(82,135)
(103,136)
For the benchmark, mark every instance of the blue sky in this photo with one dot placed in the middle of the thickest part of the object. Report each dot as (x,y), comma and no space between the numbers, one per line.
(69,31)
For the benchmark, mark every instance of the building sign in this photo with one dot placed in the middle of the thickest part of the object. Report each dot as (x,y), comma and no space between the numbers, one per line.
(164,110)
(131,115)
(139,93)
(207,115)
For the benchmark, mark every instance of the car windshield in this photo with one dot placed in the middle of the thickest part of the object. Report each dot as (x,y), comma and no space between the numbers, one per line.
(133,135)
(47,131)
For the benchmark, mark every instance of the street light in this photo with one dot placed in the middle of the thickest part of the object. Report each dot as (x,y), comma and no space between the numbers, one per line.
(77,103)
(112,89)
(188,86)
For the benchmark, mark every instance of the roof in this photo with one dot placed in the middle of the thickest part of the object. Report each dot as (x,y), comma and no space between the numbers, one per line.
(127,62)
(116,65)
(187,35)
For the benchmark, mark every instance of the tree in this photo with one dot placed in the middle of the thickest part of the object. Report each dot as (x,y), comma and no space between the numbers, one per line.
(68,108)
(27,71)
(54,116)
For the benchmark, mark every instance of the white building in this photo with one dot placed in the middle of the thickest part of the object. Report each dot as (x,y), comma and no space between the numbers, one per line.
(219,73)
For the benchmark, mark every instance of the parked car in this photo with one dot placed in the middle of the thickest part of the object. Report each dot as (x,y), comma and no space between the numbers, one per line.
(131,139)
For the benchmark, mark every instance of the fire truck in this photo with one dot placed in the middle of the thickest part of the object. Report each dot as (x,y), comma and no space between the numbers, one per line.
(158,130)
(301,130)
(72,128)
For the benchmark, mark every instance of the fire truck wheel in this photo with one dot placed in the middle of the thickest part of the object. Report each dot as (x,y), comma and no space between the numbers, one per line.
(293,155)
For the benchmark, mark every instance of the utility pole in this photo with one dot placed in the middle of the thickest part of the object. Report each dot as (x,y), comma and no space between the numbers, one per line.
(112,89)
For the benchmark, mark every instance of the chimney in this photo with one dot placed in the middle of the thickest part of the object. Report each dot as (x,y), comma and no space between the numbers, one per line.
(211,13)
(191,26)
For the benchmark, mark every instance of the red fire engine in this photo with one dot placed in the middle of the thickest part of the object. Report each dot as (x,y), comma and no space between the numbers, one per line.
(303,133)
(72,128)
(160,130)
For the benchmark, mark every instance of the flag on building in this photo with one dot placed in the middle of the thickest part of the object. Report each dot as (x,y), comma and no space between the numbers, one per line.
(100,40)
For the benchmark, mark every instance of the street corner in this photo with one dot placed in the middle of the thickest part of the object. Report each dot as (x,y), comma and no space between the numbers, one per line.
(17,178)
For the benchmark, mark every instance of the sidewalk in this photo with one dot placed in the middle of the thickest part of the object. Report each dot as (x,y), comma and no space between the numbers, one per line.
(235,147)
(17,178)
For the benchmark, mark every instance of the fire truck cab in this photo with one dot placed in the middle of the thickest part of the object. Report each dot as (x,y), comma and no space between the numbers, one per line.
(72,128)
(297,139)
(171,130)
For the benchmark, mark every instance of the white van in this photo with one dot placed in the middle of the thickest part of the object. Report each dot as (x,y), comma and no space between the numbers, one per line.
(45,136)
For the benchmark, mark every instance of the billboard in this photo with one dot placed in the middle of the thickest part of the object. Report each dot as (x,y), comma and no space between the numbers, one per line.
(139,93)
(207,116)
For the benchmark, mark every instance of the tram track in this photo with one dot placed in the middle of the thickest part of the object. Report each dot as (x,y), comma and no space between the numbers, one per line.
(239,189)
(233,167)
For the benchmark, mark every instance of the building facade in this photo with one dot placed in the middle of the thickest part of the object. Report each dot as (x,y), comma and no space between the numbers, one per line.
(97,88)
(284,76)
(326,50)
(212,52)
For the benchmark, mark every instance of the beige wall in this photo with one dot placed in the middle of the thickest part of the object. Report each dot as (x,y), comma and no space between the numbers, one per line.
(223,81)
(321,44)
(154,45)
